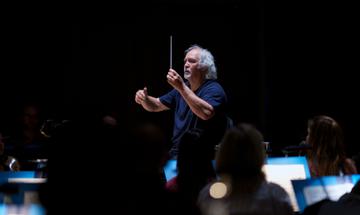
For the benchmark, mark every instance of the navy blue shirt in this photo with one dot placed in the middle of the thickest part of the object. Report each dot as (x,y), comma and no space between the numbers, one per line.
(185,120)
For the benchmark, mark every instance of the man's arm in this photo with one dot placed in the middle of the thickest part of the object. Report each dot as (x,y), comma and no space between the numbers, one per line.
(197,105)
(149,103)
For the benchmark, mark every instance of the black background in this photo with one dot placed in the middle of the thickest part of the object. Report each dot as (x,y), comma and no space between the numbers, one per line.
(280,63)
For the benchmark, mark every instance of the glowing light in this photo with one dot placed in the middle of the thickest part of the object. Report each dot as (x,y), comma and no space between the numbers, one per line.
(218,190)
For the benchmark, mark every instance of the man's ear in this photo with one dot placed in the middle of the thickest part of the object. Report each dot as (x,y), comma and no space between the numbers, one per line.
(202,67)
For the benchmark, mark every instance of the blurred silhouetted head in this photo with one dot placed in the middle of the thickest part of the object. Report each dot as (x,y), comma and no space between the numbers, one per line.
(325,133)
(325,136)
(241,152)
(326,139)
(148,144)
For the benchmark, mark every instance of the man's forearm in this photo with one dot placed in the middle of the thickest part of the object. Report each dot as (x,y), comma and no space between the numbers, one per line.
(198,106)
(153,104)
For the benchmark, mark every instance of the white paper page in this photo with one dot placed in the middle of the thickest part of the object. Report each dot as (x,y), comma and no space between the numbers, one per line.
(337,190)
(282,175)
(314,194)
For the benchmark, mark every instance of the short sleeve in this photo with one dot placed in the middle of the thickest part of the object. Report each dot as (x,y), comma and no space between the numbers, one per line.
(169,99)
(214,95)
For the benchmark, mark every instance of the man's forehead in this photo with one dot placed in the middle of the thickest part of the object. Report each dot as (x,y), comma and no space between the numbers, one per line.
(194,53)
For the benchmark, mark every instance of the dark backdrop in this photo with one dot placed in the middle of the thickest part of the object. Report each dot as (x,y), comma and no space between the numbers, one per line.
(280,63)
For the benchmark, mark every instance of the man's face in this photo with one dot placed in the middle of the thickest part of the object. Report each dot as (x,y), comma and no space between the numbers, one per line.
(191,65)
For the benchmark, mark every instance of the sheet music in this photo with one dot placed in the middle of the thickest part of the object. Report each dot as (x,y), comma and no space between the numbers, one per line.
(282,175)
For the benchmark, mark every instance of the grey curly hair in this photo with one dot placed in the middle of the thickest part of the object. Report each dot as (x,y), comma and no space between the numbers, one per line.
(206,61)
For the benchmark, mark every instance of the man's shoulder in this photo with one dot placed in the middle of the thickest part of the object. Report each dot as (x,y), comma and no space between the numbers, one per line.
(213,84)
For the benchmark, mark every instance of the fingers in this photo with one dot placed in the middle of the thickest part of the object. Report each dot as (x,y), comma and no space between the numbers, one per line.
(172,72)
(169,77)
(172,75)
(145,92)
(137,99)
(139,96)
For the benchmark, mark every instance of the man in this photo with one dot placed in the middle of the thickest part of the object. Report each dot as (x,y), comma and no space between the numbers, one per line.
(199,102)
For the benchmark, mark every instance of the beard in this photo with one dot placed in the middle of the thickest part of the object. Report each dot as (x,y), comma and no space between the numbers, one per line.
(187,74)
